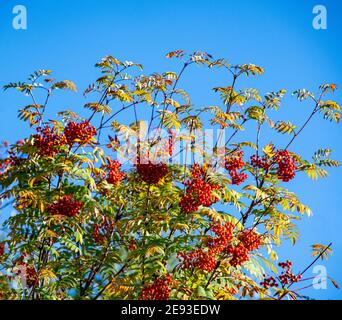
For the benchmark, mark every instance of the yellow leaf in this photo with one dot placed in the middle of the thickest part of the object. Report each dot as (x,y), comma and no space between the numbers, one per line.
(154,250)
(269,150)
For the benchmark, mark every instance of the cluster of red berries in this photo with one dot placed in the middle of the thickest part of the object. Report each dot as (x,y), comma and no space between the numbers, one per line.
(224,235)
(238,178)
(66,206)
(269,282)
(47,141)
(132,245)
(81,133)
(158,290)
(11,160)
(14,160)
(287,276)
(32,278)
(152,173)
(260,162)
(100,232)
(221,243)
(239,254)
(250,239)
(2,249)
(114,174)
(232,164)
(4,165)
(198,191)
(206,260)
(198,258)
(286,165)
(28,272)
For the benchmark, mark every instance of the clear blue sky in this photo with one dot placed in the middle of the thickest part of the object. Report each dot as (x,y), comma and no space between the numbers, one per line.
(70,36)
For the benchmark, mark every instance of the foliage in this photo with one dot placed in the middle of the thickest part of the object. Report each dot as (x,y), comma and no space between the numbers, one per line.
(91,226)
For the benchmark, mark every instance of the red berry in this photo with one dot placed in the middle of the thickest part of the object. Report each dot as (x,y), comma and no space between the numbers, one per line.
(2,249)
(237,178)
(224,235)
(287,276)
(152,173)
(29,272)
(132,245)
(269,282)
(66,206)
(47,141)
(286,165)
(198,191)
(114,174)
(198,258)
(158,290)
(260,162)
(233,163)
(250,239)
(81,133)
(238,254)
(103,232)
(32,278)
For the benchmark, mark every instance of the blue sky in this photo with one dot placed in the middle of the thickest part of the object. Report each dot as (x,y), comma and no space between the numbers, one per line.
(70,36)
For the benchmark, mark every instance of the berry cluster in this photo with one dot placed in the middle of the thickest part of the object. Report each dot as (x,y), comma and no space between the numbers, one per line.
(32,278)
(198,258)
(132,245)
(232,164)
(97,235)
(11,161)
(114,175)
(66,206)
(4,165)
(260,162)
(81,133)
(2,249)
(28,272)
(101,232)
(269,282)
(238,254)
(224,235)
(238,178)
(287,276)
(158,290)
(250,239)
(198,191)
(221,243)
(14,160)
(152,173)
(47,141)
(286,165)
(206,260)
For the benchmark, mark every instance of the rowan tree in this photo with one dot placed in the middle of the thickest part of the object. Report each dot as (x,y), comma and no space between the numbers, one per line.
(104,209)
